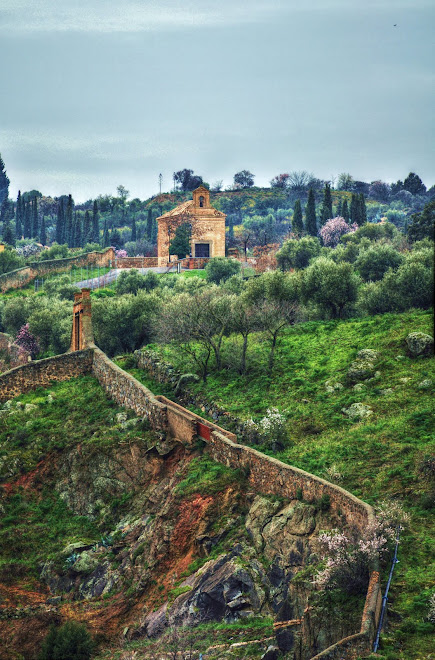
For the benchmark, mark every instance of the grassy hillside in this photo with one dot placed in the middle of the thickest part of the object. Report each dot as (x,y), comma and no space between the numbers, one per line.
(382,456)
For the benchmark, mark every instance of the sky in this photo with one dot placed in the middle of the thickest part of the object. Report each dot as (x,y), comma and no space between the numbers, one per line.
(99,93)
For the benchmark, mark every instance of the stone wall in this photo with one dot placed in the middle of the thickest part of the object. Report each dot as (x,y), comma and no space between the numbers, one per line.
(136,262)
(43,372)
(185,425)
(127,391)
(22,276)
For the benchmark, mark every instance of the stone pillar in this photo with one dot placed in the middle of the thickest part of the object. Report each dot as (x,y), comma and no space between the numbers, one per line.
(82,334)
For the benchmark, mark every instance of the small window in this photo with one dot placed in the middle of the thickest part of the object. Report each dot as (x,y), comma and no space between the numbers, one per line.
(201,201)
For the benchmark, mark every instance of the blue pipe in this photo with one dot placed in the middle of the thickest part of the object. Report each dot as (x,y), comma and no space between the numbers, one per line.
(385,596)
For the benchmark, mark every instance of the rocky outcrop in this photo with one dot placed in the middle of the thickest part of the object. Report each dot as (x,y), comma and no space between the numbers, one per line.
(420,344)
(150,548)
(364,366)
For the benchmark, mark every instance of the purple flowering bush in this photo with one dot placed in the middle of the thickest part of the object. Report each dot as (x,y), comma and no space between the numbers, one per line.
(27,341)
(334,229)
(121,254)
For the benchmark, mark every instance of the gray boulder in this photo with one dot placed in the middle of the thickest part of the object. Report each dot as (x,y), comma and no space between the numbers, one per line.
(358,411)
(420,344)
(364,366)
(183,381)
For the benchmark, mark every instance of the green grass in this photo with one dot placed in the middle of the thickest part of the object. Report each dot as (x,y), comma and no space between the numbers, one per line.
(195,272)
(34,529)
(200,638)
(36,523)
(378,458)
(207,477)
(58,421)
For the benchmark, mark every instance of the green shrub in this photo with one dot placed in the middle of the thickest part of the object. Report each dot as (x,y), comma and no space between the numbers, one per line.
(372,264)
(298,253)
(60,287)
(372,231)
(325,502)
(220,269)
(130,281)
(55,252)
(333,287)
(9,260)
(69,642)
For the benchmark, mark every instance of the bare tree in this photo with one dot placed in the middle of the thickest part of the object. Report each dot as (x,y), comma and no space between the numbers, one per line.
(244,320)
(198,324)
(300,180)
(275,316)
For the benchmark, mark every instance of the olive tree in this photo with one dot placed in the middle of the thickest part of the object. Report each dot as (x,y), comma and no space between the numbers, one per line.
(276,299)
(220,269)
(198,323)
(372,264)
(331,286)
(124,324)
(297,253)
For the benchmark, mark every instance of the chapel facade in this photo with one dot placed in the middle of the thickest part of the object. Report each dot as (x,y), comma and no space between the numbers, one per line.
(207,227)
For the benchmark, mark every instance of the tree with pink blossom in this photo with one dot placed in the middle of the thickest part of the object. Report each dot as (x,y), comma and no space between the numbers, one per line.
(121,254)
(334,229)
(27,341)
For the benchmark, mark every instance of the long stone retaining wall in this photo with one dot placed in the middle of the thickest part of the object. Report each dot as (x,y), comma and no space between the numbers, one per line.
(266,474)
(22,276)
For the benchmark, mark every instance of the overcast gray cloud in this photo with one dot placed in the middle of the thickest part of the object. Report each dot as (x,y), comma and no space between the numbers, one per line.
(101,93)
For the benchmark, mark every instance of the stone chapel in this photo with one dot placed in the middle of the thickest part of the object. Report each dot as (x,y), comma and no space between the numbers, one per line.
(207,227)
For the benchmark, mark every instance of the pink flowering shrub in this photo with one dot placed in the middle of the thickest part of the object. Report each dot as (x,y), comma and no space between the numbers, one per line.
(334,229)
(121,254)
(348,556)
(27,341)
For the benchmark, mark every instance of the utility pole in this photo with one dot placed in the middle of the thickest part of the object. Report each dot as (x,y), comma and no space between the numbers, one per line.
(160,182)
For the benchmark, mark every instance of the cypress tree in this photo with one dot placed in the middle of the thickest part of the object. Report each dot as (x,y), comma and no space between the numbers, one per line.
(77,230)
(35,217)
(43,236)
(105,237)
(8,234)
(345,210)
(362,216)
(230,228)
(354,208)
(60,224)
(4,182)
(339,208)
(150,224)
(154,231)
(27,220)
(297,222)
(310,214)
(87,229)
(19,218)
(326,213)
(69,225)
(133,230)
(95,224)
(6,210)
